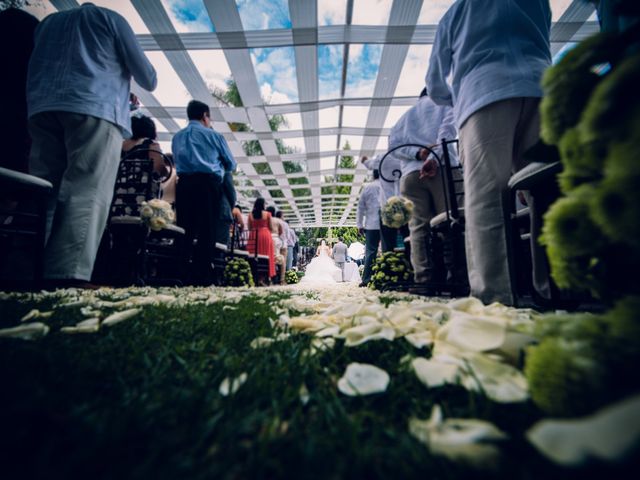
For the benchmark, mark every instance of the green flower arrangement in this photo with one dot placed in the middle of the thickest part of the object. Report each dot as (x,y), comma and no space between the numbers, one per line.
(291,277)
(390,269)
(237,273)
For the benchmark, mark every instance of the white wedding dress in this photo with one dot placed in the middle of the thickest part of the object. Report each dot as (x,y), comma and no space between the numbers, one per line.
(322,270)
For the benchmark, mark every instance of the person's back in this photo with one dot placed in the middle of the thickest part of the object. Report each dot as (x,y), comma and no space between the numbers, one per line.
(495,53)
(340,252)
(493,49)
(82,63)
(78,104)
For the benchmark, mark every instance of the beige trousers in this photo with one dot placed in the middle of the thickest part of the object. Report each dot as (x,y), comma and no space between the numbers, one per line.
(492,142)
(79,155)
(427,195)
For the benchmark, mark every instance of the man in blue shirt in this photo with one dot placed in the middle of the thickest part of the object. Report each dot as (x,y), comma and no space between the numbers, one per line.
(78,106)
(495,53)
(202,158)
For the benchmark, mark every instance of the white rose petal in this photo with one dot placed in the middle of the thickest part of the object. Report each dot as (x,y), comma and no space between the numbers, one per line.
(502,383)
(464,440)
(363,333)
(609,434)
(260,342)
(35,313)
(120,316)
(229,386)
(29,331)
(433,373)
(363,379)
(476,333)
(420,339)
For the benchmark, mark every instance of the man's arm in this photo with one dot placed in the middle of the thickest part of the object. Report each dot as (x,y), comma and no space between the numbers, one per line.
(361,209)
(440,66)
(132,55)
(228,161)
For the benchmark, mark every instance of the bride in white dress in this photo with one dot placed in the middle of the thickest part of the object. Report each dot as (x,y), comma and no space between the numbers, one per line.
(322,269)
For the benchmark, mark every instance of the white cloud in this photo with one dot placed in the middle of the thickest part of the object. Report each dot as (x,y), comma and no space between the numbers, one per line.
(213,67)
(332,12)
(355,116)
(371,12)
(433,10)
(328,117)
(170,91)
(411,80)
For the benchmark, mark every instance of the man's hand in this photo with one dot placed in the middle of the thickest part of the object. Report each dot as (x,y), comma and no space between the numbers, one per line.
(361,231)
(422,154)
(429,168)
(364,158)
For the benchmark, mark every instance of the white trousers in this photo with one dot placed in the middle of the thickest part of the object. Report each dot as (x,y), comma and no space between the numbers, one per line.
(492,142)
(79,154)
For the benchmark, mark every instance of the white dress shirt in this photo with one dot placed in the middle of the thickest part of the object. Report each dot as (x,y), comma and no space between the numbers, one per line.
(426,124)
(493,50)
(83,62)
(369,207)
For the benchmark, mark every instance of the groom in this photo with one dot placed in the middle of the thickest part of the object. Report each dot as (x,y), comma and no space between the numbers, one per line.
(340,255)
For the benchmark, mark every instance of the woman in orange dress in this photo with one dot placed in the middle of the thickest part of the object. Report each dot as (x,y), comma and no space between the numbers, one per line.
(260,234)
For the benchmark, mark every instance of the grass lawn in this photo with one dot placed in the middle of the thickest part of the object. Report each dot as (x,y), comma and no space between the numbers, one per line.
(141,399)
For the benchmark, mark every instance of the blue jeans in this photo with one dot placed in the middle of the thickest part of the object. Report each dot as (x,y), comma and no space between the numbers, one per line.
(372,241)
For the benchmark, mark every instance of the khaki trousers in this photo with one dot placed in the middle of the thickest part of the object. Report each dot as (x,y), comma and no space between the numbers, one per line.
(79,154)
(492,142)
(427,195)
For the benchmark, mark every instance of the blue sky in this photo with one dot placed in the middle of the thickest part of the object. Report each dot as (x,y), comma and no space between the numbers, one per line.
(275,67)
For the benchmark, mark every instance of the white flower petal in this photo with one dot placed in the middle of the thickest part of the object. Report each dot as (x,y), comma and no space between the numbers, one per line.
(303,393)
(502,383)
(35,313)
(260,342)
(29,331)
(609,434)
(420,339)
(120,316)
(363,379)
(229,386)
(433,373)
(363,333)
(476,333)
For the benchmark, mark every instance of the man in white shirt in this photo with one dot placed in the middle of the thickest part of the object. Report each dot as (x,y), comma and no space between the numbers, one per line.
(368,220)
(388,189)
(495,54)
(424,124)
(78,103)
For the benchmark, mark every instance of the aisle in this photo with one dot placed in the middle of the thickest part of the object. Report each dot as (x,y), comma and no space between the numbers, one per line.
(274,382)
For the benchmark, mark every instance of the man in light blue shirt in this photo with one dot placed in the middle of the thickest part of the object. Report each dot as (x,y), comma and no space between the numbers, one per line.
(77,98)
(424,124)
(202,158)
(368,221)
(495,53)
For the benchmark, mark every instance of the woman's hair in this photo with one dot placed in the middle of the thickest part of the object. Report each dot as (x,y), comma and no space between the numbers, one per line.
(272,210)
(143,127)
(322,242)
(258,208)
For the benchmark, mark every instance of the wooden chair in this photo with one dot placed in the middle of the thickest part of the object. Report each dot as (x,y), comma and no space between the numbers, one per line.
(23,207)
(133,253)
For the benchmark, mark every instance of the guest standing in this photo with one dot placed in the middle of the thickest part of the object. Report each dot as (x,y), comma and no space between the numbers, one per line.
(78,103)
(495,54)
(202,158)
(368,221)
(260,241)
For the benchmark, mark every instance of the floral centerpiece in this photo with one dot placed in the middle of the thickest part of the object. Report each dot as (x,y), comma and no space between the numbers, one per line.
(396,212)
(291,277)
(237,273)
(157,214)
(390,268)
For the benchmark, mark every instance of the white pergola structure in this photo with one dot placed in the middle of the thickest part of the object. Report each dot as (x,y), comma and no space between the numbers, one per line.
(322,124)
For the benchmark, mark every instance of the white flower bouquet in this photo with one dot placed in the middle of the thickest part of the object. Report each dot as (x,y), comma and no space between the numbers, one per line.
(396,212)
(157,214)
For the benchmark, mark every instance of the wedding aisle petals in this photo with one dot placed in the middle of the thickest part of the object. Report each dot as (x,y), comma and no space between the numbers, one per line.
(463,440)
(420,339)
(363,379)
(609,434)
(433,373)
(501,383)
(29,331)
(118,317)
(229,386)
